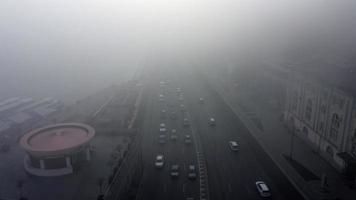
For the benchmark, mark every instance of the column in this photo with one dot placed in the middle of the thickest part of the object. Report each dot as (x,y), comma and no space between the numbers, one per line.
(68,163)
(42,164)
(88,157)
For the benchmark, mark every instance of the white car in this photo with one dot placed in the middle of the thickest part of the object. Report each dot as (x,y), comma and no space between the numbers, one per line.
(234,146)
(174,171)
(212,122)
(187,139)
(263,189)
(201,100)
(159,163)
(162,128)
(161,97)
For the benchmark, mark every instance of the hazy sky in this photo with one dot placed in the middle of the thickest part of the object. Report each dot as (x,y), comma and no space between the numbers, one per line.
(60,48)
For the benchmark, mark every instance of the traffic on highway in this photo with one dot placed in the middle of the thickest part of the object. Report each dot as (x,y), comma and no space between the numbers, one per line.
(196,148)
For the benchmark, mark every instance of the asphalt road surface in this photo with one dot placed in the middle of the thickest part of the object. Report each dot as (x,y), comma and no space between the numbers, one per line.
(230,175)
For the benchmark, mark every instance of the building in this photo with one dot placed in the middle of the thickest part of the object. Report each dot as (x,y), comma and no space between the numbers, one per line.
(58,149)
(321,109)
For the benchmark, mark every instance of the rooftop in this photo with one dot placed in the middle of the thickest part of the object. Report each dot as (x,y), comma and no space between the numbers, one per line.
(57,137)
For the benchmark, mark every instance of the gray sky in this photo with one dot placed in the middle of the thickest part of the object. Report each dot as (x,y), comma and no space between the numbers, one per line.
(68,49)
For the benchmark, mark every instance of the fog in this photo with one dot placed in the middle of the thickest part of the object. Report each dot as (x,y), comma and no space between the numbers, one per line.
(68,49)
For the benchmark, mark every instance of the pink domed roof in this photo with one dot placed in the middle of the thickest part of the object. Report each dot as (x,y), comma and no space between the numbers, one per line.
(57,137)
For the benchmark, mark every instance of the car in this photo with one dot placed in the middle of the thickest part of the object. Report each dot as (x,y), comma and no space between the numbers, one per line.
(181,98)
(174,171)
(212,122)
(174,137)
(187,139)
(162,128)
(201,100)
(161,97)
(162,139)
(182,107)
(163,114)
(186,122)
(173,116)
(192,172)
(179,90)
(174,131)
(263,189)
(159,163)
(234,146)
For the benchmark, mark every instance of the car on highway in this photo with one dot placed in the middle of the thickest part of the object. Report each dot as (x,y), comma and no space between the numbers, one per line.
(174,171)
(186,122)
(182,108)
(162,139)
(181,98)
(174,137)
(163,114)
(234,146)
(212,122)
(161,97)
(192,172)
(159,163)
(162,128)
(187,139)
(201,100)
(178,90)
(173,116)
(263,189)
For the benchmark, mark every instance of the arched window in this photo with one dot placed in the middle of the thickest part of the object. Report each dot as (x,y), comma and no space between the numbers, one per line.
(335,124)
(308,109)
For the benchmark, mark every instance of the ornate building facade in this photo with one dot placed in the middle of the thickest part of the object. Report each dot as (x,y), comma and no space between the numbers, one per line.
(324,115)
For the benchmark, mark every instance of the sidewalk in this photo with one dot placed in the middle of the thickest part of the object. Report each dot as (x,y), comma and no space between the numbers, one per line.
(263,121)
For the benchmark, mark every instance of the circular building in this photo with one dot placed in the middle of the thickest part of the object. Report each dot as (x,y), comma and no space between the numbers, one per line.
(58,149)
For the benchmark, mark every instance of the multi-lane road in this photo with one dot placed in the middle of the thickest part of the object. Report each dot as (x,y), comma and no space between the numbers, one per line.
(222,173)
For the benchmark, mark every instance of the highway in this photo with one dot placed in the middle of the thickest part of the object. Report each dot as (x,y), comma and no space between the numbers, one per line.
(230,175)
(157,183)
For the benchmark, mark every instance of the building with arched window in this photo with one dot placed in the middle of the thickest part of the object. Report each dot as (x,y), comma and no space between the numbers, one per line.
(323,113)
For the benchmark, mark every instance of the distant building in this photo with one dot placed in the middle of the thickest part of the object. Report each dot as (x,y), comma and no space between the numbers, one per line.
(58,149)
(321,109)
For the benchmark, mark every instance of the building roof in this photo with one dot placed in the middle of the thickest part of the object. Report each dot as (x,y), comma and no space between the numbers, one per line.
(57,138)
